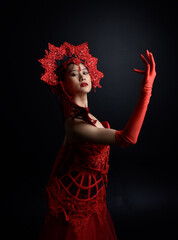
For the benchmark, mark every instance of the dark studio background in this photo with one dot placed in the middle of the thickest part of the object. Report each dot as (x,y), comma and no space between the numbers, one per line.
(141,194)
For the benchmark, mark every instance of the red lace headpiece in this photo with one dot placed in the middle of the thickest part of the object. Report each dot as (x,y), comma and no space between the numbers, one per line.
(58,58)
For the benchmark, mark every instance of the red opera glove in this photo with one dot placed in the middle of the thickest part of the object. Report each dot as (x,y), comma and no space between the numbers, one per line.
(129,134)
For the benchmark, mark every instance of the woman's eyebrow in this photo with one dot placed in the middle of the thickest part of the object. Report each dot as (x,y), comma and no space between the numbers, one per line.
(77,70)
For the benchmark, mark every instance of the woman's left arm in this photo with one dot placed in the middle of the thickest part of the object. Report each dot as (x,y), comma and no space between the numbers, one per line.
(129,134)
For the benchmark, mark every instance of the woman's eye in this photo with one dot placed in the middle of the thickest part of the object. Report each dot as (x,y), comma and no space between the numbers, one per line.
(73,74)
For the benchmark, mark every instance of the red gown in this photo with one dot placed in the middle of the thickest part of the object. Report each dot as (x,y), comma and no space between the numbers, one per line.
(76,191)
(76,194)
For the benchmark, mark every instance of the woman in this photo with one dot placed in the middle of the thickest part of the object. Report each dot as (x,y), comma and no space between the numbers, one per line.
(76,191)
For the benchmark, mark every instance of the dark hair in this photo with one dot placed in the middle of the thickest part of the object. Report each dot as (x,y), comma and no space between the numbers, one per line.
(61,76)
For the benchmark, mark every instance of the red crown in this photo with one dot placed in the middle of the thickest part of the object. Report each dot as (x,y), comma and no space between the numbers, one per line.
(59,57)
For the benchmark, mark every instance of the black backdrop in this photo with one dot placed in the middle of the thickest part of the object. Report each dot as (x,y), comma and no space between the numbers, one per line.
(141,195)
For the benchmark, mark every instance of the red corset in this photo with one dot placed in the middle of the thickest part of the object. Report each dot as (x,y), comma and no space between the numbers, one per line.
(80,190)
(82,186)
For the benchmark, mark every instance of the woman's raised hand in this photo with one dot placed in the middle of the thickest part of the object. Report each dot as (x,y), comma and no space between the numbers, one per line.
(150,72)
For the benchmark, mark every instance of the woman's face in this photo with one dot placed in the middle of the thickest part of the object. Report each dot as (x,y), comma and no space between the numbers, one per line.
(74,77)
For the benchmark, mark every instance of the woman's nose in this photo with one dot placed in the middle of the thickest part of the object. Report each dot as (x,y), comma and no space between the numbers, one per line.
(81,77)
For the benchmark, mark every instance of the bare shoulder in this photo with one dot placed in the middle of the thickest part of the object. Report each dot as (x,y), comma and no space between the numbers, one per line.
(76,122)
(71,122)
(74,126)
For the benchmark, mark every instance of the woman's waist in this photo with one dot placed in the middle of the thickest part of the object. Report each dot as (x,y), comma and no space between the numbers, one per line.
(83,184)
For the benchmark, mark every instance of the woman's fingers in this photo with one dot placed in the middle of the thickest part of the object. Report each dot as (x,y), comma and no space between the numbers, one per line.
(148,55)
(144,59)
(139,71)
(148,69)
(152,63)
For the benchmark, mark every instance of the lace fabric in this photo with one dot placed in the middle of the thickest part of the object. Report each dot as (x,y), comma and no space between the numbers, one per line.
(58,58)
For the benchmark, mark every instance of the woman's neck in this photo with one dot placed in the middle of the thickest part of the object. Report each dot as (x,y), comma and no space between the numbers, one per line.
(81,100)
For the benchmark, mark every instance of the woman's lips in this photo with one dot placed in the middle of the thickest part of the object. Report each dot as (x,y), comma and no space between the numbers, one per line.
(84,84)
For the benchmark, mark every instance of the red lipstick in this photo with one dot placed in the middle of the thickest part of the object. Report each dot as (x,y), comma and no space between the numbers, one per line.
(84,84)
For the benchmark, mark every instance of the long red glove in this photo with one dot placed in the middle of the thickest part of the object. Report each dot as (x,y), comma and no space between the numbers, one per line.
(129,134)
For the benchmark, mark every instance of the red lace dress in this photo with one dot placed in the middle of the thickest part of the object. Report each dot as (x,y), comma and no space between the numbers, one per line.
(76,194)
(76,191)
